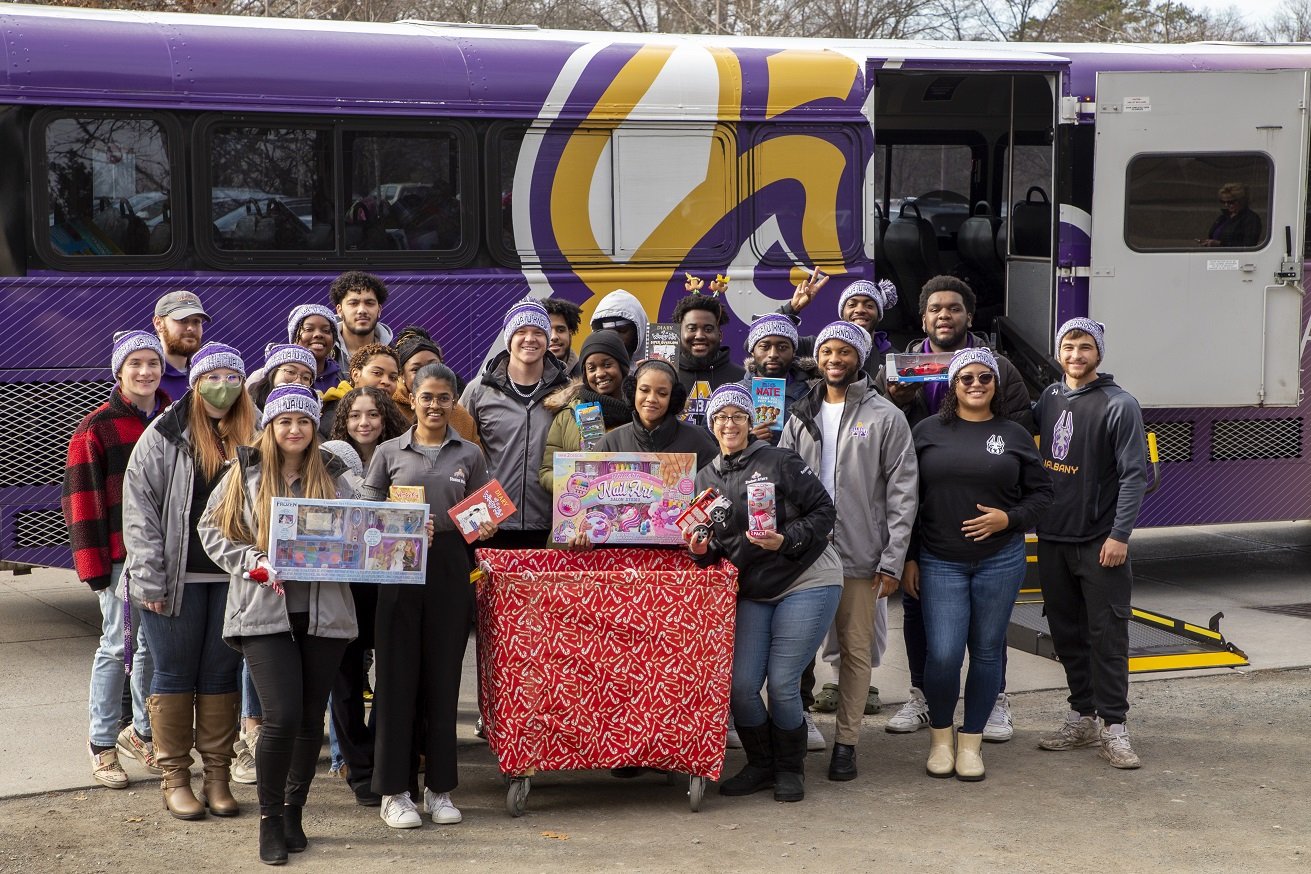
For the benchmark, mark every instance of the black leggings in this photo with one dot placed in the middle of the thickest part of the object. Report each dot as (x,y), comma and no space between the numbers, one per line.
(293,674)
(422,633)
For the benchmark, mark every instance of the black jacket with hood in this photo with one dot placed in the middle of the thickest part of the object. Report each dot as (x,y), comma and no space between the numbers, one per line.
(804,514)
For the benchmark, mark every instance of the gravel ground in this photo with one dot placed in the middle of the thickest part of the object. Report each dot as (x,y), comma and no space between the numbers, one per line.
(1223,788)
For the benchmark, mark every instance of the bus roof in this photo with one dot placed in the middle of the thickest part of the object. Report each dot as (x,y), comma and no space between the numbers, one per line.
(153,60)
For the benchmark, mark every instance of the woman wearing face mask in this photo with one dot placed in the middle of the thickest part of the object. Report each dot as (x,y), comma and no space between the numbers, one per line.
(789,585)
(656,398)
(604,364)
(291,633)
(982,485)
(182,593)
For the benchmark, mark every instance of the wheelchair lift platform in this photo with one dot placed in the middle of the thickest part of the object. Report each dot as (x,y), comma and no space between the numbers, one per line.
(1156,642)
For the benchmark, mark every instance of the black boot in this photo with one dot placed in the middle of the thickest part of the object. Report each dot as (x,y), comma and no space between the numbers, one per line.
(842,766)
(272,840)
(296,840)
(789,762)
(759,771)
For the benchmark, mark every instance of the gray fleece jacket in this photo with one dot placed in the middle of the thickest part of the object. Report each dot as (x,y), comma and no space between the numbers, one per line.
(253,609)
(876,481)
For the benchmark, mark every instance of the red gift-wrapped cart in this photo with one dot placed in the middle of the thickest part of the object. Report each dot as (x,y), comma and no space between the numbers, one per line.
(604,659)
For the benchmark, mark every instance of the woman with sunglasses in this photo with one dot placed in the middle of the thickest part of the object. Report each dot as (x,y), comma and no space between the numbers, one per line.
(982,485)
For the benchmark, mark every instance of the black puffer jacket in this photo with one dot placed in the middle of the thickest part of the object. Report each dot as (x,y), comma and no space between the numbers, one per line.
(719,370)
(670,435)
(805,517)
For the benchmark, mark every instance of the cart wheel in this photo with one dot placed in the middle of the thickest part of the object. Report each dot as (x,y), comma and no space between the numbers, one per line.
(516,797)
(696,790)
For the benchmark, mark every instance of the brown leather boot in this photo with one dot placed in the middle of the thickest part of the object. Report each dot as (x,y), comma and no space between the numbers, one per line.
(216,732)
(170,726)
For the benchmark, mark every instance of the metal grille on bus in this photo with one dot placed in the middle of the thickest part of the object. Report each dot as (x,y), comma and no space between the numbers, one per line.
(36,420)
(38,529)
(1174,440)
(1256,439)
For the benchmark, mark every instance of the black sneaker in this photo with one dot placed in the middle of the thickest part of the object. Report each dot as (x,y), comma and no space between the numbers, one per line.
(365,796)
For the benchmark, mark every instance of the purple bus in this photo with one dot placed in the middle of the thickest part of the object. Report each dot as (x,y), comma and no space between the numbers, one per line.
(252,160)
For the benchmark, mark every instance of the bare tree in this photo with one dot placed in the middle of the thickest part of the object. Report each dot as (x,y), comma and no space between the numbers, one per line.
(1290,23)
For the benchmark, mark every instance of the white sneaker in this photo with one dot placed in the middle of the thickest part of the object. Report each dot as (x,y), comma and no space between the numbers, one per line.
(999,727)
(734,742)
(398,811)
(814,740)
(440,806)
(243,767)
(912,716)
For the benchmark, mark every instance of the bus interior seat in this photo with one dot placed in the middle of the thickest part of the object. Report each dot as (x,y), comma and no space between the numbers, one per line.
(912,248)
(122,228)
(883,269)
(161,235)
(1031,223)
(977,243)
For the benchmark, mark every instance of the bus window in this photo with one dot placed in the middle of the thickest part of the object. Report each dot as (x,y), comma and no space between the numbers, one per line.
(108,187)
(502,162)
(1212,201)
(672,190)
(404,191)
(271,188)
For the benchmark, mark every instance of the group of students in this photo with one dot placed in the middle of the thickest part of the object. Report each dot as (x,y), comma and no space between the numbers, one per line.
(879,487)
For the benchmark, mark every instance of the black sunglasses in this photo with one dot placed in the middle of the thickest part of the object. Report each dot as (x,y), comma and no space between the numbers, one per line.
(984,378)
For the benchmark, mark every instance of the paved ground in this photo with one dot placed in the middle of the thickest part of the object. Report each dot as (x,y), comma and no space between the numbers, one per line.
(1223,787)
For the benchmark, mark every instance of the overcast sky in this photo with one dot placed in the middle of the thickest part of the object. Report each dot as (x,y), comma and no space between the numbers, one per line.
(1255,11)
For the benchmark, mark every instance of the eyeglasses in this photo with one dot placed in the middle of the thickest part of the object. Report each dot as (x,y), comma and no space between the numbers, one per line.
(295,374)
(725,418)
(220,379)
(443,402)
(984,378)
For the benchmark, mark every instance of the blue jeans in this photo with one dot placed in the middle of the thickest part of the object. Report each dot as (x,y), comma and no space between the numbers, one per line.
(772,646)
(107,677)
(250,706)
(967,603)
(190,655)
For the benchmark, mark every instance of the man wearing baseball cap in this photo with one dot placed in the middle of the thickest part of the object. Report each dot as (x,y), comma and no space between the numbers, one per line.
(179,322)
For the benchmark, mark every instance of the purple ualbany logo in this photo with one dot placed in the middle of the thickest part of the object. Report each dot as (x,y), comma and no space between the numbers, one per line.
(1062,434)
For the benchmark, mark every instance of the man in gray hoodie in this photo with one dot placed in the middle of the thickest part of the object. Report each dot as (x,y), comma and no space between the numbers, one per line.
(622,313)
(861,446)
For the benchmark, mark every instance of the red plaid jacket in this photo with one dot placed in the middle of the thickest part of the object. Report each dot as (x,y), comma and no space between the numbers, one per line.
(93,485)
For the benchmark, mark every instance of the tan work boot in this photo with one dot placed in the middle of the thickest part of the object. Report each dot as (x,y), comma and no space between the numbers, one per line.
(216,733)
(170,729)
(969,757)
(942,753)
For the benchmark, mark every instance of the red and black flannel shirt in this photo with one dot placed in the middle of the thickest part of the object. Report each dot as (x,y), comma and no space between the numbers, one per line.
(93,484)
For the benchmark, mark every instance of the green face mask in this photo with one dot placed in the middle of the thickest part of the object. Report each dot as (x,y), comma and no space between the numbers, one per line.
(220,396)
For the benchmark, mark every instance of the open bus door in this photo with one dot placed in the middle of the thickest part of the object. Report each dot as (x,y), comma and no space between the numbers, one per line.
(1201,292)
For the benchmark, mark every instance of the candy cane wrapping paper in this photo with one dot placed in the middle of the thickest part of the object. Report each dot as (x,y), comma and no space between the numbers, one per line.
(605,659)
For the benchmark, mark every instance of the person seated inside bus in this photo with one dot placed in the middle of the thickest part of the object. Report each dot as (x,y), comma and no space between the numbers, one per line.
(1237,226)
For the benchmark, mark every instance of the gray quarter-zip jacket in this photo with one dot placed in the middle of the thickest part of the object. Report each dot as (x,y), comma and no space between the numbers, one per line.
(876,481)
(253,609)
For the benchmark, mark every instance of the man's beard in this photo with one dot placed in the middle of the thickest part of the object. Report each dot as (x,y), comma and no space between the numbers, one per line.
(850,377)
(362,332)
(184,346)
